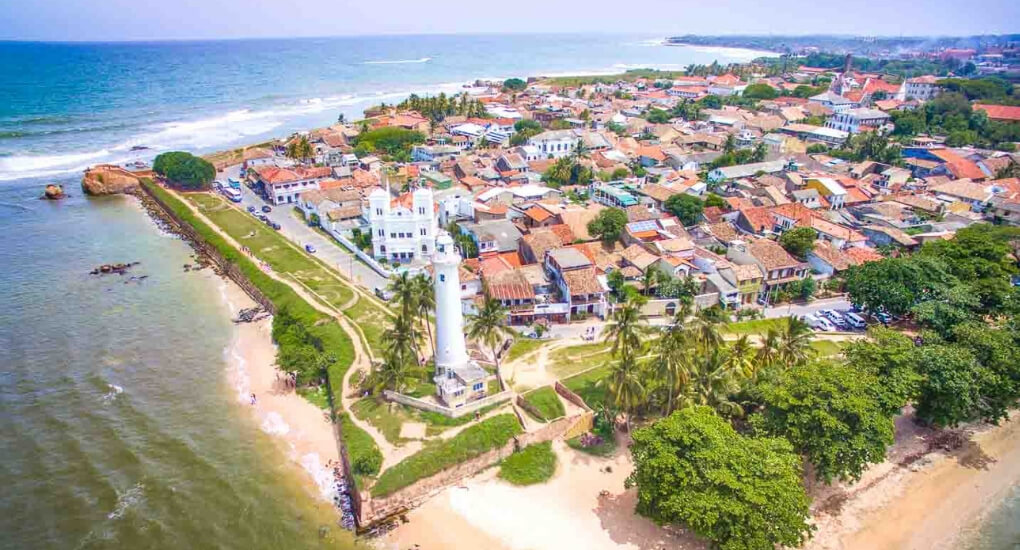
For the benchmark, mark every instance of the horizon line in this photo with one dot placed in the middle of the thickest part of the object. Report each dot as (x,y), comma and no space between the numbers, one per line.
(497,33)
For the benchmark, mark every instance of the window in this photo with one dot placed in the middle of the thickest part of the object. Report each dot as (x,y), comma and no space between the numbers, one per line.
(421,210)
(381,234)
(378,211)
(478,386)
(463,287)
(442,278)
(422,231)
(393,235)
(424,249)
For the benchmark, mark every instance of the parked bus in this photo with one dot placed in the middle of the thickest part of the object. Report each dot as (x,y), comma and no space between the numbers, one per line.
(235,183)
(232,194)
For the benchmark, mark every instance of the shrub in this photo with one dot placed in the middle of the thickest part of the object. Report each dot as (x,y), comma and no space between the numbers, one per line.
(531,465)
(365,457)
(184,170)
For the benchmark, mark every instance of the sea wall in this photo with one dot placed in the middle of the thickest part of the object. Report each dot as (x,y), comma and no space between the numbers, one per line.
(202,247)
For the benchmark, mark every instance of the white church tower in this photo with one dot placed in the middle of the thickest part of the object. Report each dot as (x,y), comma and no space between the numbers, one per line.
(451,350)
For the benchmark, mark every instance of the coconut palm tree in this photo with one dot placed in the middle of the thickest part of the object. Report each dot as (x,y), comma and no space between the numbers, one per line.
(671,365)
(740,357)
(794,343)
(625,387)
(397,373)
(649,279)
(712,383)
(403,337)
(425,302)
(626,329)
(488,326)
(405,292)
(768,353)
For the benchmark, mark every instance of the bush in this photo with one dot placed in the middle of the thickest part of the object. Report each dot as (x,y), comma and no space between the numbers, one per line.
(531,465)
(184,170)
(480,438)
(390,140)
(546,402)
(365,457)
(515,84)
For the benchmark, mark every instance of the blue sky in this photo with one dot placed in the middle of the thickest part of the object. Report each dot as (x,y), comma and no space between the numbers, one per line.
(210,19)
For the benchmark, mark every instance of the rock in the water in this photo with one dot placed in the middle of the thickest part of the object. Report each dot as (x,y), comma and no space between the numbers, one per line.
(107,179)
(53,192)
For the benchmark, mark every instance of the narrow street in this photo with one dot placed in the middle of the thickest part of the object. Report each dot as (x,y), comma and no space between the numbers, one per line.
(297,231)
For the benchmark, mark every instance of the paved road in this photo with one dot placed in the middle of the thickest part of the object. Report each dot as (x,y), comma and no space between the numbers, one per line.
(841,304)
(298,231)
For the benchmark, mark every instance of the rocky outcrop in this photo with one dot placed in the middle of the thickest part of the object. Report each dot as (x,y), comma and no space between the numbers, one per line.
(106,179)
(53,192)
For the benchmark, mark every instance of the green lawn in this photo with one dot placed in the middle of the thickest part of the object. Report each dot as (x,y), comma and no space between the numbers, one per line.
(827,348)
(547,403)
(568,361)
(585,385)
(373,321)
(754,326)
(365,456)
(385,417)
(521,347)
(531,465)
(473,441)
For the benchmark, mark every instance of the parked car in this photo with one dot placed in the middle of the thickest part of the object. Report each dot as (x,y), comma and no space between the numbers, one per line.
(834,317)
(383,294)
(310,249)
(251,209)
(274,225)
(818,323)
(855,321)
(883,317)
(267,209)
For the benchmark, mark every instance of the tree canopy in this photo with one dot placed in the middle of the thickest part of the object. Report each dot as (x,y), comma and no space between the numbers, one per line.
(760,91)
(389,140)
(608,225)
(742,493)
(830,414)
(184,169)
(799,241)
(687,208)
(515,84)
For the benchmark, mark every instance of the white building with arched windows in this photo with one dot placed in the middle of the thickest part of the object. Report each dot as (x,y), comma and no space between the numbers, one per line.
(403,228)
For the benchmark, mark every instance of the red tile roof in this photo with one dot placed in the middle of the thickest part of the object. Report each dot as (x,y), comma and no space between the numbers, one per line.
(1000,112)
(959,166)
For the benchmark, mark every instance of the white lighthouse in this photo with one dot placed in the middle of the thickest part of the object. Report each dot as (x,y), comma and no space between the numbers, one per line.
(451,351)
(458,378)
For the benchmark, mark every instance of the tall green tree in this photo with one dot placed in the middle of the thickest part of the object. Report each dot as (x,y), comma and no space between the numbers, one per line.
(488,326)
(829,414)
(799,241)
(626,329)
(425,303)
(687,208)
(694,470)
(608,224)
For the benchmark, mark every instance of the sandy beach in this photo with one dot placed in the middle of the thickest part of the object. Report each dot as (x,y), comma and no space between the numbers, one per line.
(303,428)
(912,501)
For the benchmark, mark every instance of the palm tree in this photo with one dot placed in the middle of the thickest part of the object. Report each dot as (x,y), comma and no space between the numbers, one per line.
(795,343)
(626,329)
(405,292)
(425,302)
(625,387)
(672,365)
(649,279)
(402,338)
(712,383)
(740,358)
(705,331)
(730,144)
(488,326)
(768,353)
(396,373)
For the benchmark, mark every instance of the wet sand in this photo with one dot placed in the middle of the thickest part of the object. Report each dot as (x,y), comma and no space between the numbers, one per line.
(303,428)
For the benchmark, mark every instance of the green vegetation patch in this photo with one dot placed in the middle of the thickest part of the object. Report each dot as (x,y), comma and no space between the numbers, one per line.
(565,362)
(546,402)
(522,347)
(606,447)
(755,326)
(587,386)
(533,464)
(483,437)
(365,457)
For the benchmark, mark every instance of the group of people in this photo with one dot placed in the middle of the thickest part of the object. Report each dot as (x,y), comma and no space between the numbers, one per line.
(289,379)
(590,333)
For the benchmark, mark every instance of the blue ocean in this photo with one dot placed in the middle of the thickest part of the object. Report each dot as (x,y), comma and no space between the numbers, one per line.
(65,106)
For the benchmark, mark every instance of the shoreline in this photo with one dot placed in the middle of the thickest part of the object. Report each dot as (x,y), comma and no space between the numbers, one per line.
(301,427)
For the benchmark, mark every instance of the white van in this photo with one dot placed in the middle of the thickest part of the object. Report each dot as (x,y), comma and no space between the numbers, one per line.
(819,323)
(854,320)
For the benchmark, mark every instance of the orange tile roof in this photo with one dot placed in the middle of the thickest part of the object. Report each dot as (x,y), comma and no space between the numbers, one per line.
(959,166)
(538,214)
(1000,112)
